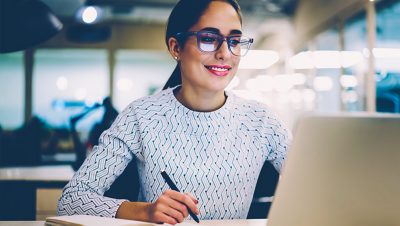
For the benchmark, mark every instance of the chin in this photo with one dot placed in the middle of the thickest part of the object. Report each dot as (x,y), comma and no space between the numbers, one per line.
(219,86)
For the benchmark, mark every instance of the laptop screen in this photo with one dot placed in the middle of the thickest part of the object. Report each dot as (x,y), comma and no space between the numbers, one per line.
(341,170)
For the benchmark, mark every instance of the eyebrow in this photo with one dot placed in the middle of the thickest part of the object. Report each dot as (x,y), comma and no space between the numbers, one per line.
(213,29)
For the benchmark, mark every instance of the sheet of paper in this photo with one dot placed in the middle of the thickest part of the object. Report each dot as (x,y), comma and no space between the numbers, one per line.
(79,220)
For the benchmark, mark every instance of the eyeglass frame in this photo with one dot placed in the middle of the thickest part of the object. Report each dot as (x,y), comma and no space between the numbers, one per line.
(221,41)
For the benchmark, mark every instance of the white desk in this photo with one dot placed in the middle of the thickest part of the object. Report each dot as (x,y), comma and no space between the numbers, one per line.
(254,222)
(18,186)
(37,173)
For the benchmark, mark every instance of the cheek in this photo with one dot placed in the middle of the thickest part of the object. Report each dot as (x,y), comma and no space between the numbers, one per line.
(235,61)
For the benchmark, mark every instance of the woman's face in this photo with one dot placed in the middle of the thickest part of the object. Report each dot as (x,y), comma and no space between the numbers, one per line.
(211,71)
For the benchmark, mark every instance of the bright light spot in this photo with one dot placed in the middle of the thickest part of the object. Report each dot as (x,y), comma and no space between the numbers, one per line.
(282,99)
(322,83)
(62,83)
(265,83)
(325,59)
(386,53)
(348,81)
(247,94)
(309,95)
(298,79)
(302,60)
(261,83)
(80,93)
(89,15)
(349,96)
(283,83)
(259,59)
(124,84)
(296,96)
(366,52)
(234,83)
(280,83)
(350,58)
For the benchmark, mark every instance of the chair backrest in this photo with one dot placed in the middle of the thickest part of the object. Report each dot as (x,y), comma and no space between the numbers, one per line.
(264,192)
(126,186)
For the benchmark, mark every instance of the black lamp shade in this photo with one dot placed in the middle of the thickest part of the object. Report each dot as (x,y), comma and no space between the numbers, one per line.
(25,23)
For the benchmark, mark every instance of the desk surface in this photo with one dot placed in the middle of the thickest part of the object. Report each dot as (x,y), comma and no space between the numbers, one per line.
(37,173)
(253,222)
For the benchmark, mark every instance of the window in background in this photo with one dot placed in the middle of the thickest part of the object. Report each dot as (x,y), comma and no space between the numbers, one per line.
(139,73)
(66,83)
(353,80)
(321,65)
(325,80)
(11,90)
(387,57)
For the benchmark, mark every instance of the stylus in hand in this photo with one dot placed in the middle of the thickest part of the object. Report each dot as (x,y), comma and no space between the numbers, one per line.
(172,185)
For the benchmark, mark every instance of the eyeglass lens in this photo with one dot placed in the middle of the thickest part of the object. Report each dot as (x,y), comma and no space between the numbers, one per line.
(210,42)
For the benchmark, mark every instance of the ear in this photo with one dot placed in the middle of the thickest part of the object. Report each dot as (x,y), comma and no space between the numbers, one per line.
(173,48)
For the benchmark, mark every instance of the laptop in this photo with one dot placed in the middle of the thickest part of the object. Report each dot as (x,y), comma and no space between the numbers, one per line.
(341,170)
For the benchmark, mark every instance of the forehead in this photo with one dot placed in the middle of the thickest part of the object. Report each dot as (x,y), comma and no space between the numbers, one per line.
(220,15)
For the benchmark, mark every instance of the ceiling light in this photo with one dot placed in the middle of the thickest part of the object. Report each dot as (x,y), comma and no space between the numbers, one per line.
(89,14)
(259,59)
(348,81)
(386,53)
(325,59)
(62,83)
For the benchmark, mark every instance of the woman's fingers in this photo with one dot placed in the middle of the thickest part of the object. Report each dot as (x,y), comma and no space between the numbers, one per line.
(164,218)
(180,207)
(184,199)
(172,207)
(192,197)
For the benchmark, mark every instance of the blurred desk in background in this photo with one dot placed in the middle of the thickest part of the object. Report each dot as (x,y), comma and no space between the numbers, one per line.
(26,193)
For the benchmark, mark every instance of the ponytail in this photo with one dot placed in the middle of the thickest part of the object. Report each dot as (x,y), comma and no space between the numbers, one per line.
(175,78)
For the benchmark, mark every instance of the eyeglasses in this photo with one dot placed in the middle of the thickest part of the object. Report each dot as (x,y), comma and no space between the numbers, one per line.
(208,41)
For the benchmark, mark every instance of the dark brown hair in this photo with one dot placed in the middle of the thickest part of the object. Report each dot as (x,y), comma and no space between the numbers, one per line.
(184,15)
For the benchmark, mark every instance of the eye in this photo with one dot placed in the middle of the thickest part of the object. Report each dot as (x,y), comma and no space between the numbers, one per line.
(234,41)
(208,38)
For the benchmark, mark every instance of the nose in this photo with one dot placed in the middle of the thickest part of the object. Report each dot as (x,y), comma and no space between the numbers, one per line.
(223,52)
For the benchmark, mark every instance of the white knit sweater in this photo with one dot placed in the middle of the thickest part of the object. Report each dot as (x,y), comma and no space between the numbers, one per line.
(217,156)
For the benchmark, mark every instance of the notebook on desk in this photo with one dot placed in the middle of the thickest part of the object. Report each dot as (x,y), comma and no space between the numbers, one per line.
(86,220)
(341,170)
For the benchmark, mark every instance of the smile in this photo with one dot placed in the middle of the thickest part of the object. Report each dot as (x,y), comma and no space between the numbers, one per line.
(219,70)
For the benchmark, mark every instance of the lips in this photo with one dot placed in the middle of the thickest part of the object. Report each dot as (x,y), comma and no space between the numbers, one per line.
(219,70)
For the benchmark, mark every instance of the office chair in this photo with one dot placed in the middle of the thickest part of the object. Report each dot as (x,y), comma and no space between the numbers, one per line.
(264,192)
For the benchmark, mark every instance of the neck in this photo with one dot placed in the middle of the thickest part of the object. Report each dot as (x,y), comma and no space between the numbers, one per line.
(200,101)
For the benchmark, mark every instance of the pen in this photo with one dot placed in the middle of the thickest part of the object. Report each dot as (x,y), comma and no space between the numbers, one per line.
(172,185)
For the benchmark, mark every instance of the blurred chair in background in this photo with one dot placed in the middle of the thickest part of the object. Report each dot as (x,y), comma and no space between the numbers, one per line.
(23,147)
(264,192)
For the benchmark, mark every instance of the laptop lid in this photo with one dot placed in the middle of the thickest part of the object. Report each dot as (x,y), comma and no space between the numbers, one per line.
(341,170)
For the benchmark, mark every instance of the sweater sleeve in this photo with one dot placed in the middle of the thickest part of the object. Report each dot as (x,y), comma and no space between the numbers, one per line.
(277,140)
(84,193)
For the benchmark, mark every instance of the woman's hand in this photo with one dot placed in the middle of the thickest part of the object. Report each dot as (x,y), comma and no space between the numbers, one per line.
(171,207)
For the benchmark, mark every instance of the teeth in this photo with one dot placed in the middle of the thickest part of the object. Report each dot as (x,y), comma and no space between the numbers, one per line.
(218,69)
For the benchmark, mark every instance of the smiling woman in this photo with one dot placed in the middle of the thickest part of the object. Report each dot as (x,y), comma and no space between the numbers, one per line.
(212,143)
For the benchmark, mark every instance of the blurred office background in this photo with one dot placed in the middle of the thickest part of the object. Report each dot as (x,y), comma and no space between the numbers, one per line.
(308,56)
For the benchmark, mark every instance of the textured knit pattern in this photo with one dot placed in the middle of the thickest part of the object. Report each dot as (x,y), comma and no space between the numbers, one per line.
(217,156)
